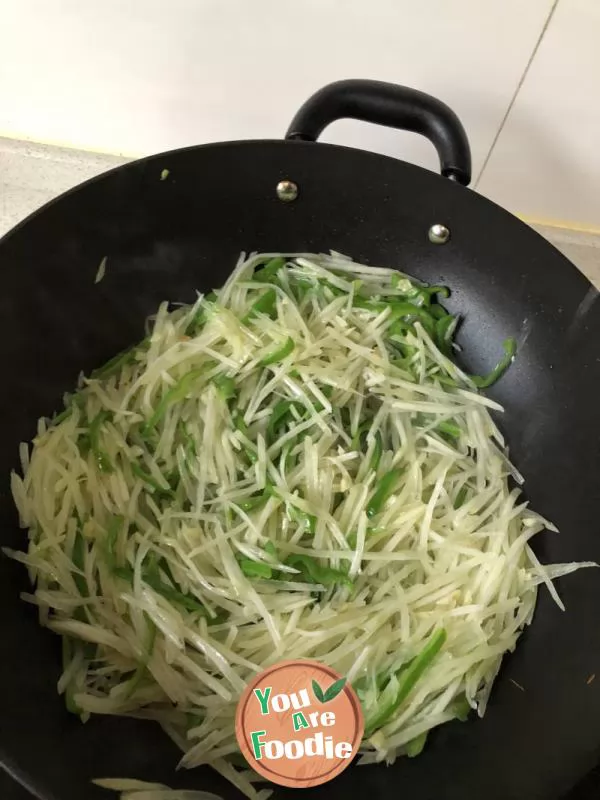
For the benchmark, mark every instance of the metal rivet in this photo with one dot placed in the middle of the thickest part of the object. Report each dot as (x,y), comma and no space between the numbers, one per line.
(287,191)
(438,234)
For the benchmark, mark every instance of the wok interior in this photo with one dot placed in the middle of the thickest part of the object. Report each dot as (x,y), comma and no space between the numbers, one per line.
(167,239)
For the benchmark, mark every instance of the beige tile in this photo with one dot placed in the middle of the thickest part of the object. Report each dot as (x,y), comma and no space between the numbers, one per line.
(582,248)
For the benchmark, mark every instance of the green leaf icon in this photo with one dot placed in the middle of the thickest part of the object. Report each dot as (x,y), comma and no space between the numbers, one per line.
(318,692)
(334,690)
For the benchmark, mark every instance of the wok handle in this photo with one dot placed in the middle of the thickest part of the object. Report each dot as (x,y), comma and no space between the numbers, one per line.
(394,106)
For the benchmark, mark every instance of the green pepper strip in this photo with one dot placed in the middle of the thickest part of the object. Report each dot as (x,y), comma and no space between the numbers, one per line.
(326,391)
(279,354)
(64,414)
(399,328)
(402,313)
(446,380)
(382,678)
(174,395)
(442,339)
(269,270)
(147,478)
(199,317)
(437,311)
(460,497)
(312,571)
(407,682)
(195,720)
(383,491)
(271,550)
(510,348)
(250,450)
(404,309)
(399,310)
(114,364)
(306,521)
(187,601)
(225,386)
(189,445)
(259,569)
(112,534)
(449,428)
(428,292)
(256,501)
(357,443)
(369,305)
(255,569)
(67,654)
(145,660)
(415,746)
(287,454)
(281,411)
(163,564)
(266,304)
(102,460)
(335,290)
(83,444)
(407,350)
(70,703)
(377,450)
(77,557)
(461,708)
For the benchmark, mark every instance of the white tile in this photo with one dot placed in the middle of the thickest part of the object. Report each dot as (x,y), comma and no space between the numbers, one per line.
(546,163)
(140,76)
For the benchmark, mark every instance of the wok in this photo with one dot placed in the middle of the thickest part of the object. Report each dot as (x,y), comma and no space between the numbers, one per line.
(167,238)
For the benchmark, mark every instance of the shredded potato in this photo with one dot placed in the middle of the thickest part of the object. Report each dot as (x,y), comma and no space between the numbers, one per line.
(293,467)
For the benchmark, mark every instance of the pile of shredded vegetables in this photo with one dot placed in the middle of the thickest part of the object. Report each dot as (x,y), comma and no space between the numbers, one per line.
(293,467)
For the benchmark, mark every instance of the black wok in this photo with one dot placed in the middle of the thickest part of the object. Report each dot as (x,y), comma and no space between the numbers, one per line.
(167,238)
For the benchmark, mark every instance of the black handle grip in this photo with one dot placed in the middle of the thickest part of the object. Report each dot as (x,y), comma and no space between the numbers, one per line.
(394,106)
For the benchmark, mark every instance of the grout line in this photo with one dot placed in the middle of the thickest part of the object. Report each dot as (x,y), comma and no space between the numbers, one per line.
(516,92)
